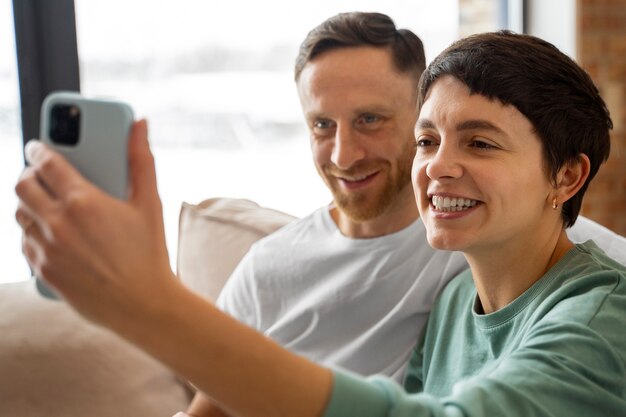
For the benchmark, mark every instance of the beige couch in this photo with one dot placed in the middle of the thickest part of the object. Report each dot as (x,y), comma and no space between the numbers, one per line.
(54,364)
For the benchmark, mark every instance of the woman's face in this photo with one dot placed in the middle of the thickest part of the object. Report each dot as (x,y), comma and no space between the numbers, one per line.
(478,174)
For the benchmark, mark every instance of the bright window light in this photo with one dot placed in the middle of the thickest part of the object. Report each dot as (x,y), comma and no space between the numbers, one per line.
(14,266)
(215,80)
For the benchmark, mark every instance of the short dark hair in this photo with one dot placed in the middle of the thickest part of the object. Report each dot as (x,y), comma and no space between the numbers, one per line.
(545,85)
(364,29)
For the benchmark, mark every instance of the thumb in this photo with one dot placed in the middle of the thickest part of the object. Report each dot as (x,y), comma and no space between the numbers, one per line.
(143,184)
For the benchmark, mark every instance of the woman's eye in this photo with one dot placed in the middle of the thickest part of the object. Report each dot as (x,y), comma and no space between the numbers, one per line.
(481,144)
(424,142)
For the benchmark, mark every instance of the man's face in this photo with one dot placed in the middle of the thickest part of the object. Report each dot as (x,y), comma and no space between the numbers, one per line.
(361,114)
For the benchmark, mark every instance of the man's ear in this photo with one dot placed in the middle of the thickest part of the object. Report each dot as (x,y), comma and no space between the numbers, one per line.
(571,177)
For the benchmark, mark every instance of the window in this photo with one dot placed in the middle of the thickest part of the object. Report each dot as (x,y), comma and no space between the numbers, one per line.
(215,80)
(14,266)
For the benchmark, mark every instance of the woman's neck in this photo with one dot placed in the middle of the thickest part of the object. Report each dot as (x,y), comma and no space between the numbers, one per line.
(503,274)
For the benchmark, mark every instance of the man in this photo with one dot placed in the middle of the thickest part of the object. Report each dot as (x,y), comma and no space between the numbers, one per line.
(345,285)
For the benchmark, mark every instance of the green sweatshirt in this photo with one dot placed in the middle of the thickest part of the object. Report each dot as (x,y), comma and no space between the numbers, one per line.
(557,350)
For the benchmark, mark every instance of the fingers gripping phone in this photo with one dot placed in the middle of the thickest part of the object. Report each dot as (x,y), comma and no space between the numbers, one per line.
(92,134)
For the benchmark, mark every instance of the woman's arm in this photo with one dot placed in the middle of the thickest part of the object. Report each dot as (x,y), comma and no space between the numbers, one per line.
(108,259)
(202,406)
(245,372)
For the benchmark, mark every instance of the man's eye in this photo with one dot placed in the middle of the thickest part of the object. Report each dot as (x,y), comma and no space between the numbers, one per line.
(370,118)
(323,128)
(369,121)
(321,124)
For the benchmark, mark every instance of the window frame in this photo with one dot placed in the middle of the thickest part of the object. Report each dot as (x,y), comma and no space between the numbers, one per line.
(47,55)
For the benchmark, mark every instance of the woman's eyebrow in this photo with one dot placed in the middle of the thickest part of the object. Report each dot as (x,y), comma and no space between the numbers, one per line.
(425,124)
(466,125)
(478,124)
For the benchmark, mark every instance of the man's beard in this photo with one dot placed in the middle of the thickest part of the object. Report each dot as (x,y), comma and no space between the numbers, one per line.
(364,206)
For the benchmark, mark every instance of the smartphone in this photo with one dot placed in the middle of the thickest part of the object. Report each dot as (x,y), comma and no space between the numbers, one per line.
(92,134)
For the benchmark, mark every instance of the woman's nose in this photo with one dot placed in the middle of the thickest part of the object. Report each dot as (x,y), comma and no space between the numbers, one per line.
(446,162)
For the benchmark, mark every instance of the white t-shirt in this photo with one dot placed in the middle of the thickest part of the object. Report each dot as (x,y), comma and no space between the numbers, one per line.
(359,304)
(610,242)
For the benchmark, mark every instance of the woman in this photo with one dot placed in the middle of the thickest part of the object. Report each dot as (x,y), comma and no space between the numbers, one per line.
(509,135)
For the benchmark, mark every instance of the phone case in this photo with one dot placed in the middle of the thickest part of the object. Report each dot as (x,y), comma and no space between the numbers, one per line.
(100,153)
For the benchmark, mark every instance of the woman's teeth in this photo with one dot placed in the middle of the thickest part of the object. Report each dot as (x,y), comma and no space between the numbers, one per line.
(452,203)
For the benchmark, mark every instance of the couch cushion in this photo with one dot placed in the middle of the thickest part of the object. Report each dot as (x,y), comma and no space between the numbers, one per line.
(53,363)
(214,235)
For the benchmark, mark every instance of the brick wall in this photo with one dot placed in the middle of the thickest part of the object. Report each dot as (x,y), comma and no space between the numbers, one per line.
(601,50)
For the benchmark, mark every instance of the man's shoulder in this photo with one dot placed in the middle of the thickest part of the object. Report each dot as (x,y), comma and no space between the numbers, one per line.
(613,244)
(307,227)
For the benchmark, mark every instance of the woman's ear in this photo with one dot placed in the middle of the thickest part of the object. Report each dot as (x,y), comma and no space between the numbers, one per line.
(571,177)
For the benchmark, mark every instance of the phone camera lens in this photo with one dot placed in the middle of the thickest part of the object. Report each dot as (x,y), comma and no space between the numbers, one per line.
(64,124)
